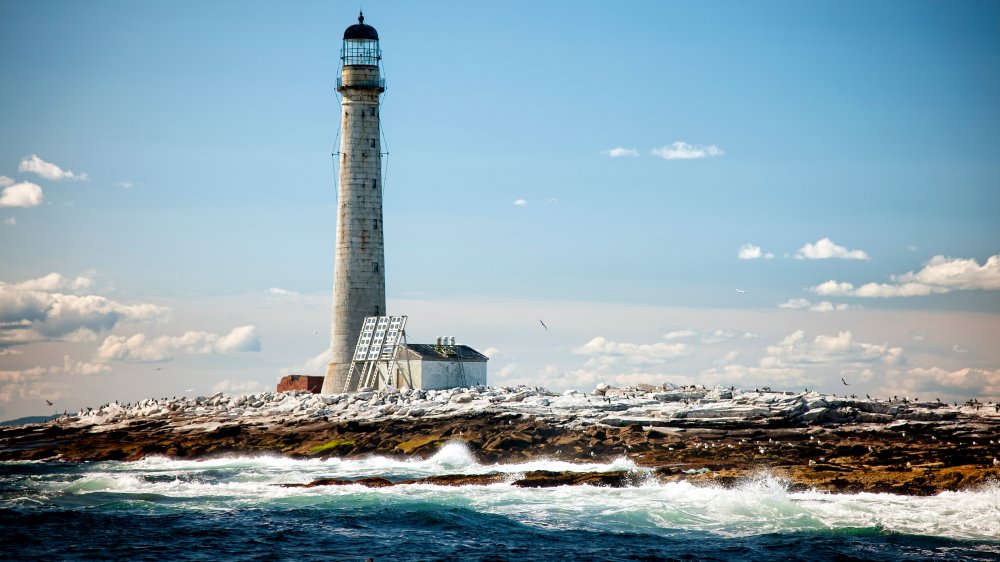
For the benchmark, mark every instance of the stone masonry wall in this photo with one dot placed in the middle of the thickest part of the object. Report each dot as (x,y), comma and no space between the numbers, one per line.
(359,270)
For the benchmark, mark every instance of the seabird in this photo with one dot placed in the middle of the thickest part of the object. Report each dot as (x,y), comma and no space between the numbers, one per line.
(48,402)
(740,291)
(843,381)
(543,324)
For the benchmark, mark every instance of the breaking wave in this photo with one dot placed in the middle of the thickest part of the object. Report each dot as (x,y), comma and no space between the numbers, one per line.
(760,506)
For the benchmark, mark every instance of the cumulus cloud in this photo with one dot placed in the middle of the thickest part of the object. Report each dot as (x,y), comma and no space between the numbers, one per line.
(680,334)
(795,304)
(715,336)
(36,383)
(825,249)
(605,352)
(751,252)
(315,365)
(520,202)
(278,292)
(796,360)
(124,184)
(619,152)
(827,306)
(55,282)
(939,275)
(45,308)
(139,348)
(35,165)
(24,194)
(842,348)
(680,150)
(959,384)
(5,181)
(822,306)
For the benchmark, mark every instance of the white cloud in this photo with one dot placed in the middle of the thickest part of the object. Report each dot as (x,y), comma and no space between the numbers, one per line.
(124,184)
(138,348)
(619,152)
(607,352)
(795,349)
(38,309)
(278,292)
(716,336)
(36,165)
(80,368)
(5,181)
(24,194)
(959,384)
(520,202)
(35,382)
(822,306)
(964,274)
(228,386)
(10,221)
(827,249)
(939,275)
(798,361)
(959,349)
(680,334)
(795,304)
(315,365)
(680,150)
(55,282)
(827,306)
(751,252)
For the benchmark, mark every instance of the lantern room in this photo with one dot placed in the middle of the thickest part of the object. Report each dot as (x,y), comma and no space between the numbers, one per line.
(360,45)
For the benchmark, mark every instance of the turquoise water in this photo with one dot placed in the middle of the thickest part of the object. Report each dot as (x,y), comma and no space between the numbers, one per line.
(234,509)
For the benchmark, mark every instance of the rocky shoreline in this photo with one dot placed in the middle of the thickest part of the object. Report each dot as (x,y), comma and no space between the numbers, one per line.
(717,436)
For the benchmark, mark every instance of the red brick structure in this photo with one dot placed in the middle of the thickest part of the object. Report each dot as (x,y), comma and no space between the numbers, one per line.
(300,382)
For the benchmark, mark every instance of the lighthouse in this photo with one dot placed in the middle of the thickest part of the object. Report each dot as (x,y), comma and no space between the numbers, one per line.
(359,272)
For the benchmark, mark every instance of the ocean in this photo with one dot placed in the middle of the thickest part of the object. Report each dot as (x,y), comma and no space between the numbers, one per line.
(235,509)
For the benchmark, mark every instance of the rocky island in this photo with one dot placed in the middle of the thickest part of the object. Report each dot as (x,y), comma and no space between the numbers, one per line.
(702,435)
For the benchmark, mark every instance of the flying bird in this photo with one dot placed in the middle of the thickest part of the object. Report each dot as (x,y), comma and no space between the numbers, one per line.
(48,402)
(843,381)
(740,291)
(543,324)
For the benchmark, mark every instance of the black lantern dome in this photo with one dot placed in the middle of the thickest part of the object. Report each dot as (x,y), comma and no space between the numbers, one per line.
(360,45)
(361,30)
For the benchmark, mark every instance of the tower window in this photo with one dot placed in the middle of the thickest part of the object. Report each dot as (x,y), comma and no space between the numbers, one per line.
(373,112)
(375,266)
(375,221)
(373,143)
(374,183)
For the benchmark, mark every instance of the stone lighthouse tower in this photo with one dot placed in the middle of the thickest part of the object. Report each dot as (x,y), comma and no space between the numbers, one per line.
(359,272)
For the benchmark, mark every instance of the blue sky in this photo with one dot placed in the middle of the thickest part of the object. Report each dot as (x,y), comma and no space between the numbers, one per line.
(602,166)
